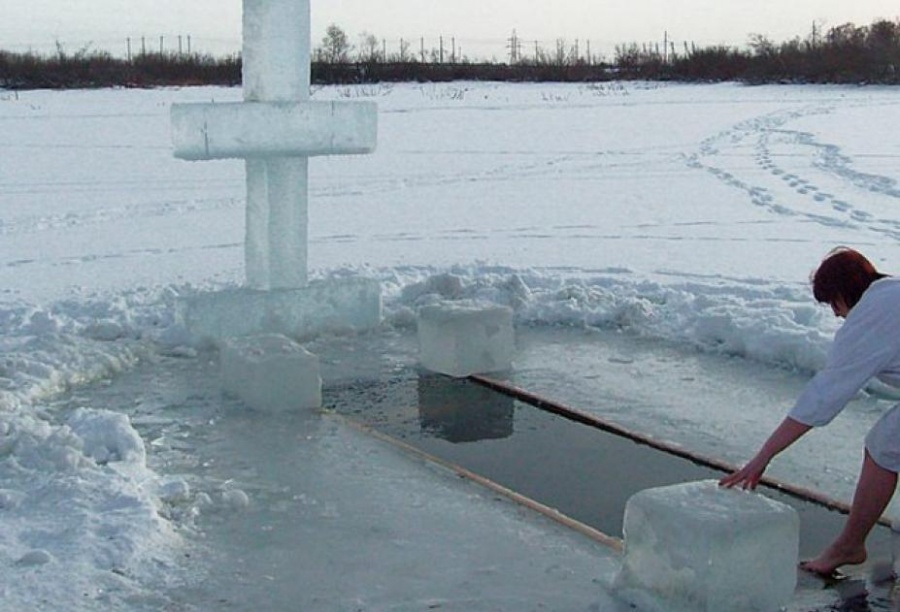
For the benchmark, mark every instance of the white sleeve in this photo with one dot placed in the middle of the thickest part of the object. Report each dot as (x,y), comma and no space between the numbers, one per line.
(864,346)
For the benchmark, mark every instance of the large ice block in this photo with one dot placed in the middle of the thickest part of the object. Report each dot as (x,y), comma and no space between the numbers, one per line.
(271,373)
(327,305)
(698,547)
(465,337)
(268,129)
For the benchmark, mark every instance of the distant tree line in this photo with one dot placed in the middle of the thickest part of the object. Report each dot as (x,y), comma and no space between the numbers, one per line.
(842,54)
(92,69)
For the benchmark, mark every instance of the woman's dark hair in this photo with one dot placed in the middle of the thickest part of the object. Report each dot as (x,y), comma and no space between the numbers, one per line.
(844,273)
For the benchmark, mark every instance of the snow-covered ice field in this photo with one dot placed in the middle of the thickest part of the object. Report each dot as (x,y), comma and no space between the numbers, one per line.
(670,228)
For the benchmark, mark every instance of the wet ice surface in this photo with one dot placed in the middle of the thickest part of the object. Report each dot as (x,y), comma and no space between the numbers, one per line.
(335,520)
(303,512)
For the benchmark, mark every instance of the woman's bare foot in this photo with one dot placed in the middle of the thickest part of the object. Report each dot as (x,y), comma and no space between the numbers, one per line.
(832,558)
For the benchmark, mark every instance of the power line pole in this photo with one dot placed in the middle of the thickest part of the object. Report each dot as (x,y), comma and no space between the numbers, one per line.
(515,48)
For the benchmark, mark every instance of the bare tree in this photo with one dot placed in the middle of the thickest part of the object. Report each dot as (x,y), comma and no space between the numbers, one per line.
(561,53)
(335,48)
(762,46)
(369,49)
(404,54)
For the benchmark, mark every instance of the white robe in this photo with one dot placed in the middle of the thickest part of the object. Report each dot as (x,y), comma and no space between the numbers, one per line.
(867,345)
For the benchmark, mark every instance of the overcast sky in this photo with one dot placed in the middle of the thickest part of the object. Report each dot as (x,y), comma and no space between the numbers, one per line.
(475,25)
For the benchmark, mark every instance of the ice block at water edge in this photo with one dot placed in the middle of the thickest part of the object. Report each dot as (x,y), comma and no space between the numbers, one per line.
(696,546)
(465,337)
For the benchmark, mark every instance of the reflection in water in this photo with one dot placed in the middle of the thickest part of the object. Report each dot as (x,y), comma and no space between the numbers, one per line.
(459,411)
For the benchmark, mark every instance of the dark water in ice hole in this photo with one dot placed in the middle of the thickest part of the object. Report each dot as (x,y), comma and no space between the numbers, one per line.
(584,472)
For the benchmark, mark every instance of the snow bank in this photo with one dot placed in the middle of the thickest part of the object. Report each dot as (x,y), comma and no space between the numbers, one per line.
(769,323)
(48,348)
(82,520)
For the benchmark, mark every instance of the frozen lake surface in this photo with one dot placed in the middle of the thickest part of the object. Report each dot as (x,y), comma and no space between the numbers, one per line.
(333,519)
(669,229)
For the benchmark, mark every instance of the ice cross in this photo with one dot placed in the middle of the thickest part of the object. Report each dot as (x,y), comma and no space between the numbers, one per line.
(275,130)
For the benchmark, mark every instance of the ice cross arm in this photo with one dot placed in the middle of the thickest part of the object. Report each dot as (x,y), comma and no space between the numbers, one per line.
(273,129)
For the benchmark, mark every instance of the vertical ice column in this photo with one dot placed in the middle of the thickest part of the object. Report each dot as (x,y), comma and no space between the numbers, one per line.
(276,67)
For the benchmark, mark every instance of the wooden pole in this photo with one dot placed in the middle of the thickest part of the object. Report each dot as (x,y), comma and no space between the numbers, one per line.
(673,449)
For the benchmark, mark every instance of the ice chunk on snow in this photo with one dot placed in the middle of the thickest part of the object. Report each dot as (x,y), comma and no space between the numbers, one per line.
(235,499)
(464,337)
(175,491)
(271,372)
(108,436)
(698,547)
